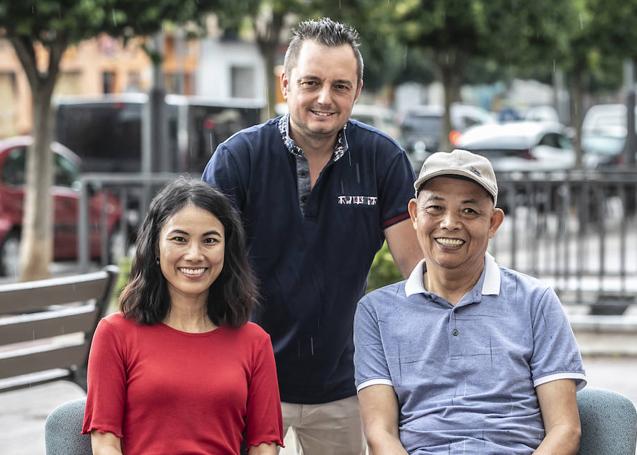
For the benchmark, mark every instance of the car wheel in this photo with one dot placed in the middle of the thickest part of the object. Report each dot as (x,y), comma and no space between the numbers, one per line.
(10,255)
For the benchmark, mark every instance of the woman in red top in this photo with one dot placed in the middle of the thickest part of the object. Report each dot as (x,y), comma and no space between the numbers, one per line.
(180,370)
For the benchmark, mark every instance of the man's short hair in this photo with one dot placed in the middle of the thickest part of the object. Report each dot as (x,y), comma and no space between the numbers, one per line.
(326,32)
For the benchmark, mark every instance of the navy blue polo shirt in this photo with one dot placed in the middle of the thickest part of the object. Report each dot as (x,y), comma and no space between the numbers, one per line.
(312,261)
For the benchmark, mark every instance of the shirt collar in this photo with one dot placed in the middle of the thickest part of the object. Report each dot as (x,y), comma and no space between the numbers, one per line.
(284,128)
(490,285)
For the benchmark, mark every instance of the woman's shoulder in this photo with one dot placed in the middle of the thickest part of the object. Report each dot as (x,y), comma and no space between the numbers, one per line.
(252,331)
(118,322)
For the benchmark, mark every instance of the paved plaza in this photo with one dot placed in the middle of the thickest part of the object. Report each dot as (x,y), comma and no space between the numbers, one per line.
(22,412)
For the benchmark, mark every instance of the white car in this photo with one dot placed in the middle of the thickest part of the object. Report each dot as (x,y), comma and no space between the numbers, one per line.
(421,127)
(521,146)
(609,119)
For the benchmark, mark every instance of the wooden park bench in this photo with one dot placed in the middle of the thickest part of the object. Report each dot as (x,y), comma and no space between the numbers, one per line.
(46,327)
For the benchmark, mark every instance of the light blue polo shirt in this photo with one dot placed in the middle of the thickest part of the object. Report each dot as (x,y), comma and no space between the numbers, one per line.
(465,375)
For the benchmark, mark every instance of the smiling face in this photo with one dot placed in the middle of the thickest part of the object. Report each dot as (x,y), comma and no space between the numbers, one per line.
(191,253)
(321,91)
(454,219)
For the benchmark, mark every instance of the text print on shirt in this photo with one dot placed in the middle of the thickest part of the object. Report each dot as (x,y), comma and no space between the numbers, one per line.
(357,200)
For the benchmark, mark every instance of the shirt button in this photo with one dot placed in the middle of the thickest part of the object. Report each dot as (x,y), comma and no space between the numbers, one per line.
(303,199)
(455,332)
(303,174)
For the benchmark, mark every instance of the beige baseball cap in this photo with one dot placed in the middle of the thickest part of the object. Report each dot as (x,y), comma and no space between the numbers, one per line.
(462,163)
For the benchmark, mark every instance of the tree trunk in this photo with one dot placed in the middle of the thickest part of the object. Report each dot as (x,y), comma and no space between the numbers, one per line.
(268,54)
(577,107)
(268,32)
(36,246)
(449,75)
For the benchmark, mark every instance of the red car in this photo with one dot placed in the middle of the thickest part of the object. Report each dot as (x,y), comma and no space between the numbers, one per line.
(65,204)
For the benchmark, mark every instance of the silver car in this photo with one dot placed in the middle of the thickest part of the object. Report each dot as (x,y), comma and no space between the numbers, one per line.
(521,146)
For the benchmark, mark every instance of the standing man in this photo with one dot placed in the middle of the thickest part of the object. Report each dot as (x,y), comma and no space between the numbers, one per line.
(318,194)
(465,357)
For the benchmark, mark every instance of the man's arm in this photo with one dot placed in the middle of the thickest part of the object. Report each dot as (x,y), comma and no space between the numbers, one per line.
(379,411)
(558,405)
(403,246)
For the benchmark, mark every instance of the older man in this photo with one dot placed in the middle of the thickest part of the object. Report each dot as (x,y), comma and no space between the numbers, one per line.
(465,356)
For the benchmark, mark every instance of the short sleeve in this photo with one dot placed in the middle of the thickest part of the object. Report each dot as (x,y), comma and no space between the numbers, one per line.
(370,363)
(106,396)
(396,190)
(264,421)
(223,173)
(555,351)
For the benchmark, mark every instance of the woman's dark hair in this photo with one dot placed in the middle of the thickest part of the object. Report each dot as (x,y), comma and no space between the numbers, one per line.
(233,294)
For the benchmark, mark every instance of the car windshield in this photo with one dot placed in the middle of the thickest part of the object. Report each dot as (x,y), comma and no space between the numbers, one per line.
(497,142)
(603,145)
(422,124)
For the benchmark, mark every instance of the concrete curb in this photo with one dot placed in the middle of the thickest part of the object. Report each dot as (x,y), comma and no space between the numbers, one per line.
(605,335)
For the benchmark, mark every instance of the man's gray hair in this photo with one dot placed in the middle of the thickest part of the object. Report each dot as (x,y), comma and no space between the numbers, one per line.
(326,32)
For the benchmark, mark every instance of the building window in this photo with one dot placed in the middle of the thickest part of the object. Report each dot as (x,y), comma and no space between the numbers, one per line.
(242,80)
(9,105)
(108,82)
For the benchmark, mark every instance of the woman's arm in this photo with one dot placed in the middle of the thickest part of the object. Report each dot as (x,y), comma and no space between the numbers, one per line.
(558,405)
(263,449)
(106,443)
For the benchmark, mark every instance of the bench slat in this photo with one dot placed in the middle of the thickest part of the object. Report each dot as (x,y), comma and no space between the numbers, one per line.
(50,324)
(59,357)
(37,295)
(44,333)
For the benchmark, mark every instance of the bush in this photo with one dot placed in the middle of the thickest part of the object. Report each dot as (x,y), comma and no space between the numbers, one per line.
(124,265)
(383,271)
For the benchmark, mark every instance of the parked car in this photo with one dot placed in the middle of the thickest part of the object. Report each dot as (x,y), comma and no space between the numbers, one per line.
(421,127)
(541,113)
(65,204)
(379,117)
(604,134)
(521,146)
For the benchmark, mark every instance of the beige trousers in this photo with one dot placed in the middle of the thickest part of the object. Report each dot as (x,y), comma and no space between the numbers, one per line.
(323,429)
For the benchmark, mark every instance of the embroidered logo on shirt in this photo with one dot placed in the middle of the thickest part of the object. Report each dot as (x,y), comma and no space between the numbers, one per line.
(357,200)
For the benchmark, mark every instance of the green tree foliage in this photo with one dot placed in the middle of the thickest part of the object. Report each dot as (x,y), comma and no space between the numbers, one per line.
(45,28)
(598,38)
(383,271)
(457,32)
(269,21)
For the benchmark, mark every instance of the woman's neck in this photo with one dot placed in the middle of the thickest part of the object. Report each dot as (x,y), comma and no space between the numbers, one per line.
(189,316)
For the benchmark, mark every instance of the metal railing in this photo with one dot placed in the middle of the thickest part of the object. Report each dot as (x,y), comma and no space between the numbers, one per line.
(576,230)
(133,193)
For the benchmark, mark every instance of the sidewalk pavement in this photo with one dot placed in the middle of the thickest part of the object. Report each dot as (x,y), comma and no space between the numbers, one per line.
(23,412)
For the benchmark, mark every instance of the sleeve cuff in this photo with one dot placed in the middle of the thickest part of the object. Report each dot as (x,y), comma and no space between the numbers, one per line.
(579,378)
(370,382)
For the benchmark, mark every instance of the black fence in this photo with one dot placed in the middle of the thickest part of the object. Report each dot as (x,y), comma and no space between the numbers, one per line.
(576,230)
